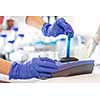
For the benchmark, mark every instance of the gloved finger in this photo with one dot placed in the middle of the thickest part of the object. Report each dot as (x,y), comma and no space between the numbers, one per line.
(70,28)
(47,64)
(60,20)
(67,29)
(65,26)
(43,59)
(45,75)
(44,63)
(45,69)
(47,59)
(61,23)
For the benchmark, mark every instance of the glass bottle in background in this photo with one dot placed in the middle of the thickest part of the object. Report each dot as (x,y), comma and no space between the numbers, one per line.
(2,45)
(82,50)
(9,48)
(78,47)
(52,49)
(52,19)
(2,41)
(15,29)
(45,18)
(12,34)
(61,48)
(19,42)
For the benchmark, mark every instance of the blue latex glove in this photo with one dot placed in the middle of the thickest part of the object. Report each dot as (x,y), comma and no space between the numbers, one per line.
(36,68)
(59,27)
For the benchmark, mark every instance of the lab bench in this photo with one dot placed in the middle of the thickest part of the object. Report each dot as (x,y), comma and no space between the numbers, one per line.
(91,78)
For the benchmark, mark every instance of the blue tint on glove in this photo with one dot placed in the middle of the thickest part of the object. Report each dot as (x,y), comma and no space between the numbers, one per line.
(36,68)
(59,27)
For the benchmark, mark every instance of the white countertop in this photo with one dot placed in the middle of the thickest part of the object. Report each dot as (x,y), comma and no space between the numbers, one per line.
(94,77)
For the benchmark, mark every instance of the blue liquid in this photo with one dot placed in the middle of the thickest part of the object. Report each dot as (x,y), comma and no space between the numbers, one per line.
(68,46)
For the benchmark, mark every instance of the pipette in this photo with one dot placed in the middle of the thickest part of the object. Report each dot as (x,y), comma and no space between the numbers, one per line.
(92,48)
(95,42)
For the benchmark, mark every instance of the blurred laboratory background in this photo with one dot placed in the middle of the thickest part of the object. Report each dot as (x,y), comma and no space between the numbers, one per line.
(20,42)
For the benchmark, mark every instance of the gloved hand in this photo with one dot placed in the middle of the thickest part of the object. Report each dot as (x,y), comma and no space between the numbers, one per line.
(59,27)
(36,68)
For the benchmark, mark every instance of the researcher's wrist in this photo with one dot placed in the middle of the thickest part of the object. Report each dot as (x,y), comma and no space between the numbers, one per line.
(12,70)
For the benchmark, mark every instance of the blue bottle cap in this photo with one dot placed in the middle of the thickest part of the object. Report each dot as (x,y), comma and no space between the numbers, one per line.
(12,41)
(15,29)
(63,39)
(3,35)
(21,35)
